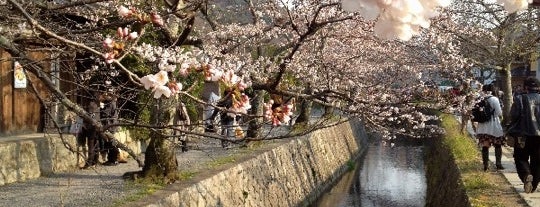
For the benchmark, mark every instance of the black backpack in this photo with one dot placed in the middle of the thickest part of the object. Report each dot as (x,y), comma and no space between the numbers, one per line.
(482,111)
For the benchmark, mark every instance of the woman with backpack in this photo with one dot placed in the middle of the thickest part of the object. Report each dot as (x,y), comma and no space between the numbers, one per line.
(490,131)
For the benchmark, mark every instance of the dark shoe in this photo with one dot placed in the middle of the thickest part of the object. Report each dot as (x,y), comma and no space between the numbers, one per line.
(184,146)
(485,168)
(500,167)
(528,184)
(110,163)
(225,144)
(210,128)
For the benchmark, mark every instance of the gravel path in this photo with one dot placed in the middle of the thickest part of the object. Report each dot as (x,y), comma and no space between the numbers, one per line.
(100,186)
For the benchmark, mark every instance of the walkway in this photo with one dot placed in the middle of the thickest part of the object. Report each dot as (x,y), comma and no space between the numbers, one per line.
(100,186)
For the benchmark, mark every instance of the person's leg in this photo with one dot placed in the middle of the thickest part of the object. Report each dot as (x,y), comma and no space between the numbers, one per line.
(92,151)
(485,157)
(533,145)
(226,131)
(521,160)
(208,111)
(112,154)
(112,157)
(485,141)
(498,155)
(102,149)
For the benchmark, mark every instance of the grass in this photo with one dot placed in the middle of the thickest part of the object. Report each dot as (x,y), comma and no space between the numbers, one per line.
(480,186)
(186,175)
(144,188)
(221,161)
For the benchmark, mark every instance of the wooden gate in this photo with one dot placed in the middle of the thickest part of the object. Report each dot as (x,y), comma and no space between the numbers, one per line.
(21,111)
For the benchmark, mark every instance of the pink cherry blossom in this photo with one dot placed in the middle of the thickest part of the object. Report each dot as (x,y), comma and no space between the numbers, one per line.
(148,81)
(213,74)
(162,78)
(108,43)
(133,35)
(120,32)
(156,19)
(162,90)
(109,57)
(175,87)
(124,12)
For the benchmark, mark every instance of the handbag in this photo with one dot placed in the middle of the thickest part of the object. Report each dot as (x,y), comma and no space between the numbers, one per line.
(514,133)
(76,126)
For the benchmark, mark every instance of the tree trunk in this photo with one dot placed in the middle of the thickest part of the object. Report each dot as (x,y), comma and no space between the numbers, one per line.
(305,108)
(160,158)
(257,110)
(506,84)
(328,111)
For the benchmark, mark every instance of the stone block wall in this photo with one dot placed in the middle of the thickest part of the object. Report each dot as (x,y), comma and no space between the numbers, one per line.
(292,174)
(29,156)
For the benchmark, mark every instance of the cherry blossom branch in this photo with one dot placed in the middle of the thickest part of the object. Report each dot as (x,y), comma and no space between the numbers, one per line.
(132,76)
(51,6)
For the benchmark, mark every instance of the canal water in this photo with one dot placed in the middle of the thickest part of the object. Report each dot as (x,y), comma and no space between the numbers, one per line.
(388,174)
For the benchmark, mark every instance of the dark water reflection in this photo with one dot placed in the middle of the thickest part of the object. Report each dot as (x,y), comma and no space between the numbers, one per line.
(385,176)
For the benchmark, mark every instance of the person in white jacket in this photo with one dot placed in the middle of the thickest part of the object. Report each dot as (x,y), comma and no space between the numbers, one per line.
(491,132)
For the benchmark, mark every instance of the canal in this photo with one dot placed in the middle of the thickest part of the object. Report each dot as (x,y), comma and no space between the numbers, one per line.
(388,174)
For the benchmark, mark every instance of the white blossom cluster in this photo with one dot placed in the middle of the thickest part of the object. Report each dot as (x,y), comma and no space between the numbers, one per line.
(169,59)
(514,5)
(402,19)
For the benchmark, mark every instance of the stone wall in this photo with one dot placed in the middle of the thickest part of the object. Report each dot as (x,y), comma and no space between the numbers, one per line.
(29,156)
(444,186)
(294,173)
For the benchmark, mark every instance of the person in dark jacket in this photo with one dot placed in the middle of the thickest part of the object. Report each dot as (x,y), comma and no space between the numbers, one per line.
(227,120)
(88,133)
(109,117)
(525,117)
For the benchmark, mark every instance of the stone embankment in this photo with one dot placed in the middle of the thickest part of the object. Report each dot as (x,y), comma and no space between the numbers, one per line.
(288,172)
(30,156)
(294,173)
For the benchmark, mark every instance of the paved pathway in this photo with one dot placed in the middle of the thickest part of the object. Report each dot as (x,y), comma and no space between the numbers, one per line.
(100,186)
(533,199)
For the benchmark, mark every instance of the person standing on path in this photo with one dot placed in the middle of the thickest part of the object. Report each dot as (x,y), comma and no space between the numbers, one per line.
(109,116)
(227,120)
(88,133)
(491,132)
(209,94)
(182,121)
(524,124)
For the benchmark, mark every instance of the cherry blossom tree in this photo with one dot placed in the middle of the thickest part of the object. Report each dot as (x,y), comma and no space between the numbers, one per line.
(269,56)
(492,38)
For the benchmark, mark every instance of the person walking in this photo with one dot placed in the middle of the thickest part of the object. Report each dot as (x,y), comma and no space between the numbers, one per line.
(227,120)
(524,124)
(109,116)
(182,121)
(88,133)
(209,94)
(491,132)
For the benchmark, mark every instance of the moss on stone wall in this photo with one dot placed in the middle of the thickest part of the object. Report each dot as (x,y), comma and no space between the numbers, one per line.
(444,185)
